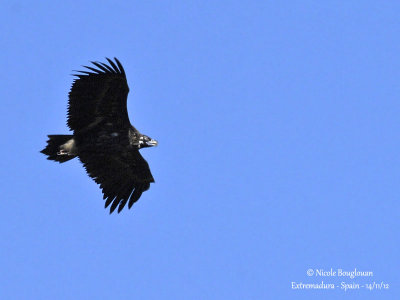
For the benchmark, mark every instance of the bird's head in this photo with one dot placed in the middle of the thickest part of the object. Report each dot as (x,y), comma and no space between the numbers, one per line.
(145,141)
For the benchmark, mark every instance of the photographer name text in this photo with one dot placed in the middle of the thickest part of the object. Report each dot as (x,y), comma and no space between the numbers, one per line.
(339,273)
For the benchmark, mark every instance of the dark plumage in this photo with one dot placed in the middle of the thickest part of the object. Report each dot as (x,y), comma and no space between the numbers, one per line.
(103,138)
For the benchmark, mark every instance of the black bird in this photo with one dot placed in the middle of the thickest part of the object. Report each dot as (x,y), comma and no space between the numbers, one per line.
(103,138)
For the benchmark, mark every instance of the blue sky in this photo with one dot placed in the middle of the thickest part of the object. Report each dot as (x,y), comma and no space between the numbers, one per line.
(278,152)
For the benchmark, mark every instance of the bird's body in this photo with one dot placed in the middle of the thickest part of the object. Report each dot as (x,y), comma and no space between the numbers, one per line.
(103,138)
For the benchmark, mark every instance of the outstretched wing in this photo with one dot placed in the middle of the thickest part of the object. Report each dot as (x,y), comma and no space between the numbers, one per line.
(122,177)
(99,97)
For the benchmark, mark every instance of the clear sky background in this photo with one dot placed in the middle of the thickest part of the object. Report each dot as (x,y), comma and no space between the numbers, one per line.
(278,129)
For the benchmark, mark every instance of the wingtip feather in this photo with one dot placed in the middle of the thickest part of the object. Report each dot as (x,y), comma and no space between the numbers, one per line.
(121,68)
(116,70)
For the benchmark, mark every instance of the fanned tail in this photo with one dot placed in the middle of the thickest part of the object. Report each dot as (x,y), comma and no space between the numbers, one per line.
(59,148)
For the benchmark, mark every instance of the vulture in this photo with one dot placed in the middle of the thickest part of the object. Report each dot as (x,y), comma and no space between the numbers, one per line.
(102,136)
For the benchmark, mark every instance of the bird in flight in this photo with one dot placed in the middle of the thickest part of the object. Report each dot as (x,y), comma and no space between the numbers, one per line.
(103,138)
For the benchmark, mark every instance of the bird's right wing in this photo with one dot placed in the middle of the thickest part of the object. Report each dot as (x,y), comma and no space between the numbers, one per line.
(99,97)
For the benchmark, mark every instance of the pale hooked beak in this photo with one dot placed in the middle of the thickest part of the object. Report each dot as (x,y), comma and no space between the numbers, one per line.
(152,143)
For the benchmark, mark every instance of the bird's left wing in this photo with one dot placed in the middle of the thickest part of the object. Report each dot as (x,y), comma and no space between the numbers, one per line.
(122,176)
